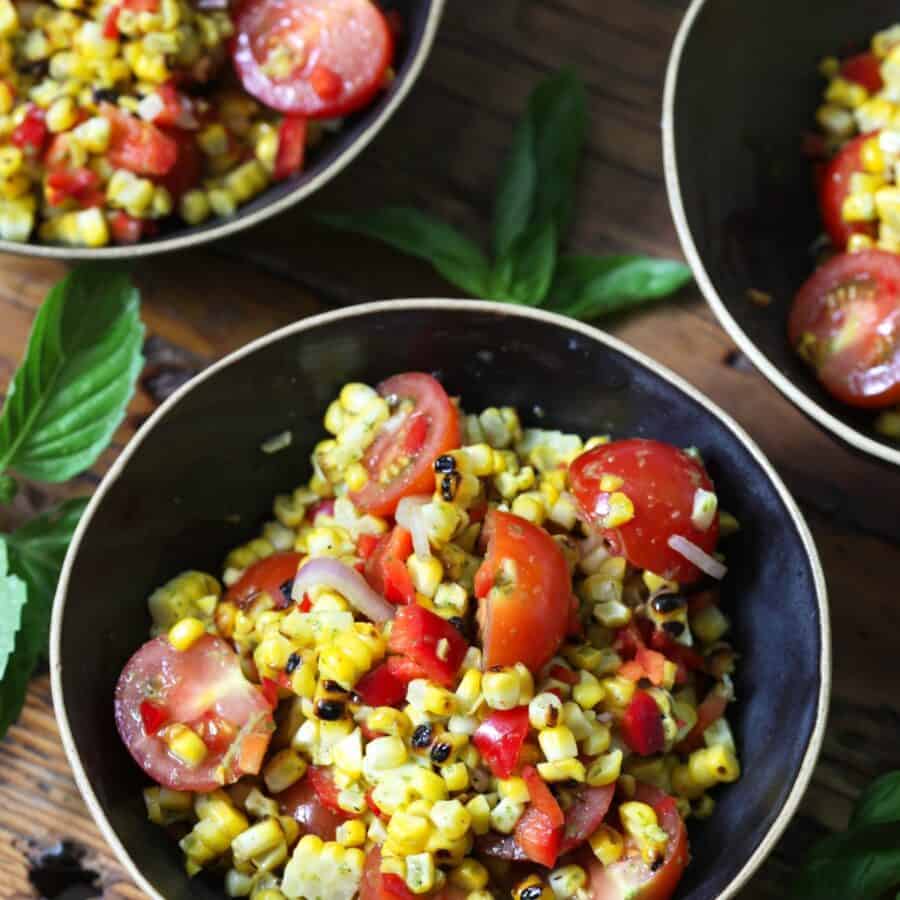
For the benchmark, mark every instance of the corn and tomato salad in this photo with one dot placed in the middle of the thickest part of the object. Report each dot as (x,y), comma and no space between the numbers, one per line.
(120,117)
(466,659)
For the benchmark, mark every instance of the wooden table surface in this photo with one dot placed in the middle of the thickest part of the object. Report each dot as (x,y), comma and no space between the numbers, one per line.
(442,151)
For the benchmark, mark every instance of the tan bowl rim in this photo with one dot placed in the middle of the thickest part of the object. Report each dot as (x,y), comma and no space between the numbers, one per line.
(239,221)
(373,309)
(807,404)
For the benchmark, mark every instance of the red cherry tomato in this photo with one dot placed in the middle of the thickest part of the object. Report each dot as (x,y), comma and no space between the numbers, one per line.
(136,145)
(125,229)
(864,69)
(291,147)
(273,575)
(77,184)
(500,738)
(585,815)
(539,831)
(336,53)
(642,728)
(395,447)
(631,878)
(187,171)
(846,322)
(201,687)
(326,790)
(661,482)
(377,885)
(301,802)
(523,587)
(381,687)
(404,669)
(31,133)
(429,641)
(834,186)
(178,108)
(386,570)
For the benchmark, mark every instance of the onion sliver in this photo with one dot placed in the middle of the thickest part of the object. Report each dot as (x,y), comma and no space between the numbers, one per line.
(409,516)
(700,558)
(347,582)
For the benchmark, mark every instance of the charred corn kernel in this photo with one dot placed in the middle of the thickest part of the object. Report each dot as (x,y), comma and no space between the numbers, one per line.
(451,818)
(185,744)
(567,881)
(10,160)
(545,711)
(588,692)
(642,826)
(532,888)
(562,770)
(455,776)
(194,207)
(480,811)
(709,624)
(836,120)
(470,875)
(407,833)
(514,789)
(426,574)
(612,614)
(186,632)
(468,691)
(607,845)
(221,202)
(283,769)
(501,689)
(322,869)
(505,815)
(605,769)
(420,873)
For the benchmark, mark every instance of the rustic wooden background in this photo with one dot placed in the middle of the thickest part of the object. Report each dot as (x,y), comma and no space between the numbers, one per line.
(441,151)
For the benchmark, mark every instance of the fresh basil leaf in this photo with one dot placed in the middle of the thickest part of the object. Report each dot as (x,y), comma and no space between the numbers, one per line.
(8,489)
(13,595)
(457,258)
(524,274)
(70,393)
(537,181)
(36,553)
(879,803)
(589,286)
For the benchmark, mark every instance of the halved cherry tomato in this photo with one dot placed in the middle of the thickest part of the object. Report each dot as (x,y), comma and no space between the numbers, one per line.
(178,108)
(273,575)
(834,186)
(390,450)
(381,687)
(201,687)
(338,52)
(187,171)
(31,133)
(585,815)
(631,878)
(136,145)
(846,322)
(642,728)
(386,567)
(125,229)
(404,669)
(500,738)
(431,642)
(523,587)
(661,482)
(291,147)
(76,184)
(378,885)
(539,831)
(365,545)
(326,790)
(864,69)
(301,802)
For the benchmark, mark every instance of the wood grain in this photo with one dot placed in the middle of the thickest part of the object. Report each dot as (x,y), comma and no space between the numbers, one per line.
(442,151)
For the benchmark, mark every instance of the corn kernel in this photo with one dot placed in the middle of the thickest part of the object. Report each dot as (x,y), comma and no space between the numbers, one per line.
(470,875)
(185,633)
(185,744)
(562,770)
(607,845)
(605,769)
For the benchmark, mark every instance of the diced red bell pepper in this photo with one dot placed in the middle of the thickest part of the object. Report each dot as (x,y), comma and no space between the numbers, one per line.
(642,727)
(500,738)
(153,716)
(136,145)
(78,184)
(374,806)
(188,169)
(416,432)
(326,790)
(649,664)
(291,147)
(31,133)
(678,653)
(365,545)
(178,108)
(864,69)
(404,669)
(540,830)
(381,687)
(270,691)
(139,6)
(429,641)
(386,568)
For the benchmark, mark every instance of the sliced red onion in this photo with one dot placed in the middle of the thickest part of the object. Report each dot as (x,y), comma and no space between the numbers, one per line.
(700,558)
(347,582)
(409,516)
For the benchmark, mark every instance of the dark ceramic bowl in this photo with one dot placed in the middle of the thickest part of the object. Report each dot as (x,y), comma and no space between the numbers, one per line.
(421,19)
(741,90)
(194,482)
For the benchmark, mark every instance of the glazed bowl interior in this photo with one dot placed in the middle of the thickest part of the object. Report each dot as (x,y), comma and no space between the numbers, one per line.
(337,150)
(194,483)
(742,90)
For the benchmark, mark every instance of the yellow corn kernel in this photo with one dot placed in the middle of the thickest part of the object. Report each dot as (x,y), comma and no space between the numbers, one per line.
(605,769)
(194,207)
(714,765)
(408,833)
(558,743)
(856,243)
(641,824)
(246,181)
(514,789)
(530,506)
(859,208)
(351,833)
(836,120)
(185,633)
(568,882)
(846,93)
(545,711)
(470,875)
(221,202)
(607,845)
(505,815)
(186,744)
(455,776)
(562,770)
(588,692)
(283,769)
(420,873)
(872,157)
(501,689)
(480,811)
(11,159)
